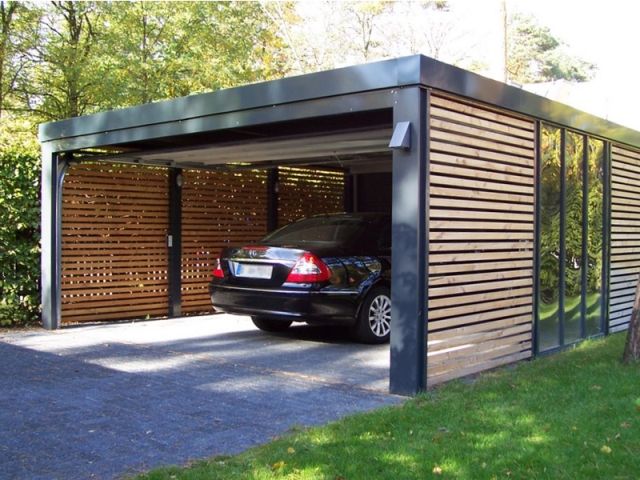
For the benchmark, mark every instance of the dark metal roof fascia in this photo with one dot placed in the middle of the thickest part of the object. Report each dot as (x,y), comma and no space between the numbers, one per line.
(360,78)
(448,78)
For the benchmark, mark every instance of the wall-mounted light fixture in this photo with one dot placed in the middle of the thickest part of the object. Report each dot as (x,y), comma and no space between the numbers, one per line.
(401,138)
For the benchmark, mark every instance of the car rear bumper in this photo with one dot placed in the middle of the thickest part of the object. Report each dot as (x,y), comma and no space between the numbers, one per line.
(322,307)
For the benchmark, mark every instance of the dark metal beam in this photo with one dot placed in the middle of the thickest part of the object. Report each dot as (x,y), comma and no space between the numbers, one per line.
(409,248)
(174,242)
(606,238)
(53,170)
(333,83)
(272,199)
(357,102)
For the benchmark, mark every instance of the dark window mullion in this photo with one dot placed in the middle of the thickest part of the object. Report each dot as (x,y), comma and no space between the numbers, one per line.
(562,253)
(606,239)
(585,237)
(537,234)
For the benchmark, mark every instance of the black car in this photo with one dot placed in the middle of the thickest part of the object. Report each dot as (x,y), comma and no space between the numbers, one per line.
(326,269)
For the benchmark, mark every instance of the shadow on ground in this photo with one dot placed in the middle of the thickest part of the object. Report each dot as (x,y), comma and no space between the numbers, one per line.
(103,401)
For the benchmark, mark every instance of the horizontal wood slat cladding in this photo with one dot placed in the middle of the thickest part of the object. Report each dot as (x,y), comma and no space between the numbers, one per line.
(481,229)
(219,209)
(303,192)
(114,255)
(625,234)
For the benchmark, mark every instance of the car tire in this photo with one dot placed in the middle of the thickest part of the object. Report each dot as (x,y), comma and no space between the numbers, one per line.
(374,318)
(271,325)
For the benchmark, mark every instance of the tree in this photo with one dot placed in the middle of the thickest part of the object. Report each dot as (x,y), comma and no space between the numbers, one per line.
(18,35)
(632,346)
(158,50)
(535,55)
(63,82)
(328,34)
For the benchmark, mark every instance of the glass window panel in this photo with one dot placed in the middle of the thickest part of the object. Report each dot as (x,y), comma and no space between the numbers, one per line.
(595,208)
(574,150)
(549,247)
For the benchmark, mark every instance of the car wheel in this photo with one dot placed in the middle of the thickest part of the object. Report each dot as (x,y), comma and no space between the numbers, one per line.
(374,318)
(271,325)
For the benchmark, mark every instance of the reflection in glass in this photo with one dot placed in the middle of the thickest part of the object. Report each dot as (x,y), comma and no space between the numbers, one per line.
(574,150)
(594,234)
(550,174)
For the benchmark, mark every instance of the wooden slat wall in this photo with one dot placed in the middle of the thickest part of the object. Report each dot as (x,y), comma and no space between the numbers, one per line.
(303,192)
(219,209)
(625,234)
(114,254)
(481,233)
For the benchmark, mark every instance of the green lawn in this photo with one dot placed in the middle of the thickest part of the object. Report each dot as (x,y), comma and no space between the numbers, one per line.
(570,415)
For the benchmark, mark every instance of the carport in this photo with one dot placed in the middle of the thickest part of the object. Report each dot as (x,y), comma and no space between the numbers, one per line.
(463,155)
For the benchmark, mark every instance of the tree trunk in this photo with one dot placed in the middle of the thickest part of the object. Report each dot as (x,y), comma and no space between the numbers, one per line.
(632,347)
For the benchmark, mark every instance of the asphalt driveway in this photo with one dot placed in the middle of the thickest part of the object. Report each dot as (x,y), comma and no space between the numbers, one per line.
(111,400)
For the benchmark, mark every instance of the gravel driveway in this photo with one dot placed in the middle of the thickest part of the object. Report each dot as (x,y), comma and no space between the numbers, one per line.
(106,401)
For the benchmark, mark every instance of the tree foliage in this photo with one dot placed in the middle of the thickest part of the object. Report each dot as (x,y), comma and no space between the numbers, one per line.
(171,52)
(19,225)
(535,55)
(18,36)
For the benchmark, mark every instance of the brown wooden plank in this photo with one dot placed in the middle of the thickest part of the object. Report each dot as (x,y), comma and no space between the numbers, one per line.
(457,257)
(434,379)
(465,277)
(435,292)
(441,123)
(455,138)
(480,328)
(479,337)
(441,213)
(477,297)
(480,317)
(451,191)
(475,152)
(445,359)
(483,111)
(483,225)
(479,246)
(479,267)
(446,181)
(497,301)
(459,171)
(482,165)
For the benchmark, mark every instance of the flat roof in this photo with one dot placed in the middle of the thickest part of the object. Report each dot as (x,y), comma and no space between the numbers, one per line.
(283,99)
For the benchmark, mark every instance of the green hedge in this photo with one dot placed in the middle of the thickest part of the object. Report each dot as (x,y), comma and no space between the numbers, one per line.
(19,234)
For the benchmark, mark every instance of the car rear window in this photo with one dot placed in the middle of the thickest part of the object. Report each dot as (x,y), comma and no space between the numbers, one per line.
(326,230)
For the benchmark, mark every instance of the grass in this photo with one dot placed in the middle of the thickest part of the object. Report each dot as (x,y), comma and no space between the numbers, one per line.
(567,416)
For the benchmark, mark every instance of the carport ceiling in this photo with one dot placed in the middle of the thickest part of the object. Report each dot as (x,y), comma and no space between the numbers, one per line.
(303,147)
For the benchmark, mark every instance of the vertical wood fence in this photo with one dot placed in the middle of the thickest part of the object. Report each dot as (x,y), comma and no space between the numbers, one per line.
(114,254)
(625,234)
(115,223)
(481,233)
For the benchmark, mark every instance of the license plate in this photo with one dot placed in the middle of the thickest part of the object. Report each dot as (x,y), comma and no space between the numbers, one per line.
(254,271)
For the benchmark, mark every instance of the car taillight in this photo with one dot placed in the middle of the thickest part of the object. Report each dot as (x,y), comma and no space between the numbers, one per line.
(217,271)
(308,269)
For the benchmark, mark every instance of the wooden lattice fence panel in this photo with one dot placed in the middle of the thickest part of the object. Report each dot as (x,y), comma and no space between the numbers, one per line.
(303,192)
(625,234)
(114,252)
(481,234)
(219,209)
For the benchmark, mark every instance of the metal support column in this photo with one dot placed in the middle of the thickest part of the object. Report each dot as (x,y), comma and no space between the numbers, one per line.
(53,170)
(407,374)
(272,199)
(174,242)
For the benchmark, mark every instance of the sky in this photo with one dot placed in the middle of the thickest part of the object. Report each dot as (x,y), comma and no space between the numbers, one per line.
(604,33)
